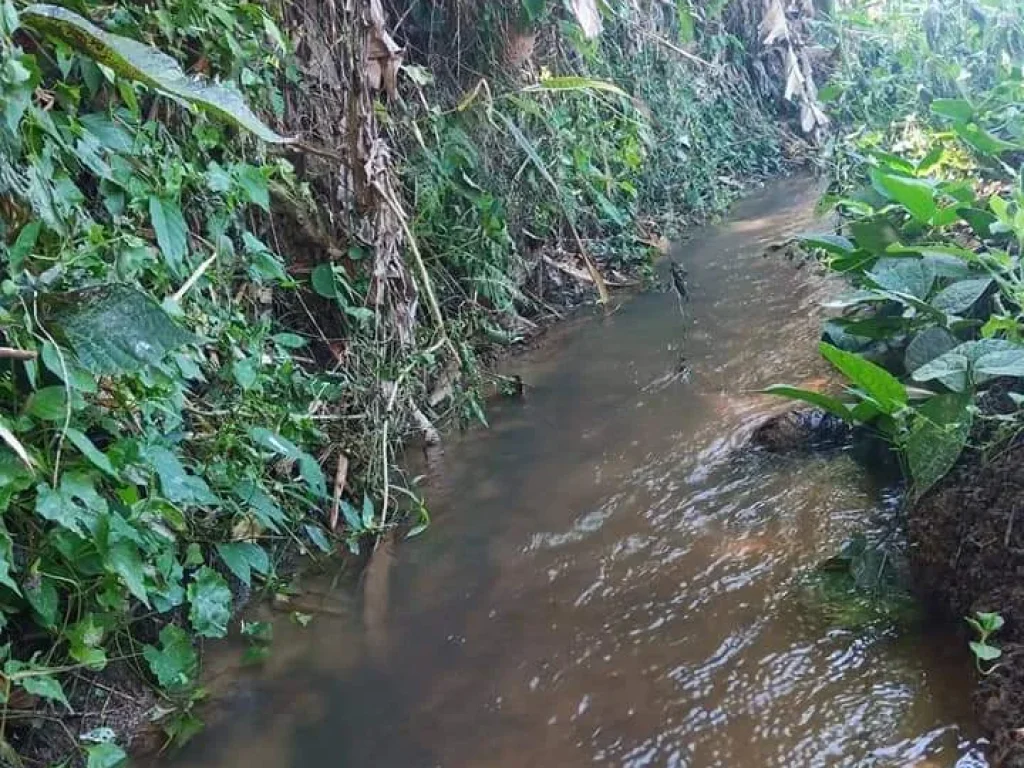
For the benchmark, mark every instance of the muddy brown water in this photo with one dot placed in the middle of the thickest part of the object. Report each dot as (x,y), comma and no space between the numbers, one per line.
(611,576)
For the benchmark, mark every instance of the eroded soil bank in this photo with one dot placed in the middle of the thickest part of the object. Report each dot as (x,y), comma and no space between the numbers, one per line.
(967,548)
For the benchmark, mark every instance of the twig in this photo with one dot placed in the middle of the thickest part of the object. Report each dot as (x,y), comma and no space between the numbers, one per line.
(340,476)
(200,271)
(673,47)
(9,353)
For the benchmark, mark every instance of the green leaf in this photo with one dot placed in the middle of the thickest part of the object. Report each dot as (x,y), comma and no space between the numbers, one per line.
(41,594)
(171,231)
(834,244)
(926,346)
(175,663)
(106,755)
(254,184)
(958,110)
(177,484)
(904,275)
(983,141)
(48,404)
(874,235)
(124,559)
(916,195)
(322,280)
(112,328)
(575,83)
(985,652)
(137,61)
(825,402)
(88,449)
(37,681)
(242,558)
(873,380)
(59,507)
(960,297)
(937,438)
(85,639)
(210,601)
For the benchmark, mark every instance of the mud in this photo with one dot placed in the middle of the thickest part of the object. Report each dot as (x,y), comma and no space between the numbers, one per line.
(967,551)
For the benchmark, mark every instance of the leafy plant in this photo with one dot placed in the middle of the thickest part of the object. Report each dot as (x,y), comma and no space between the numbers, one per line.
(986,655)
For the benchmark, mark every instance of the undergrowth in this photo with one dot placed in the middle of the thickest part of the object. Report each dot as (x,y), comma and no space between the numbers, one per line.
(928,185)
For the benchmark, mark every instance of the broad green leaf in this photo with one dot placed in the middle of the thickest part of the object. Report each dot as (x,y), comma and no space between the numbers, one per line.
(175,662)
(1004,362)
(90,451)
(873,380)
(48,404)
(983,141)
(85,639)
(37,681)
(958,110)
(242,558)
(910,276)
(834,244)
(985,652)
(322,280)
(961,296)
(210,601)
(123,558)
(825,402)
(41,594)
(254,184)
(257,503)
(171,231)
(928,345)
(60,507)
(112,328)
(106,755)
(916,195)
(874,235)
(176,483)
(937,437)
(309,467)
(957,368)
(137,61)
(684,18)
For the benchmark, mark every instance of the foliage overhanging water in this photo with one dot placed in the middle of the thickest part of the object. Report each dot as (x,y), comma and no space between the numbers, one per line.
(612,575)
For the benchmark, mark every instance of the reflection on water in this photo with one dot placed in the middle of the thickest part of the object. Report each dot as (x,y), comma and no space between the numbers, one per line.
(610,578)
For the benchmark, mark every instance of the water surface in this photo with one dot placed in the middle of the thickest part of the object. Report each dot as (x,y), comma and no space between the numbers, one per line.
(612,574)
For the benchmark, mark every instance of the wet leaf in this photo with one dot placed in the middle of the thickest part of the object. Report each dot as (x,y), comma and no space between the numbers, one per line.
(937,438)
(825,402)
(137,61)
(113,328)
(904,275)
(210,600)
(834,244)
(175,662)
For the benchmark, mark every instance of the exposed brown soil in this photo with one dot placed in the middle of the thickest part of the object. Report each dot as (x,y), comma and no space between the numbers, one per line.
(967,552)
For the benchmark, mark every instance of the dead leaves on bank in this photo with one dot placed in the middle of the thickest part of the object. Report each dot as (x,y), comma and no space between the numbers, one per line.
(782,36)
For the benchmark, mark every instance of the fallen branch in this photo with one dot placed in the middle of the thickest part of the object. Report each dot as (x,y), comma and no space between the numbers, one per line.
(9,353)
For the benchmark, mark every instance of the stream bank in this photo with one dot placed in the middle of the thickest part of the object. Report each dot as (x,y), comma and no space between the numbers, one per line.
(614,577)
(967,548)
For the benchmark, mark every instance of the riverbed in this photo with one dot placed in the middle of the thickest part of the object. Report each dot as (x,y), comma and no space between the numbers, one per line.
(612,574)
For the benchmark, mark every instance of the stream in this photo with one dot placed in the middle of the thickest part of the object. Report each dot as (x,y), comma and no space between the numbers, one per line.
(611,577)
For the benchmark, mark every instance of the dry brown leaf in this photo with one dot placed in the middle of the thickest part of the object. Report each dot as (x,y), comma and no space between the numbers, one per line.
(774,26)
(588,16)
(15,445)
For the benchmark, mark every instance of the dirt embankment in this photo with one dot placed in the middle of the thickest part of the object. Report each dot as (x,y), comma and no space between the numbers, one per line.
(967,550)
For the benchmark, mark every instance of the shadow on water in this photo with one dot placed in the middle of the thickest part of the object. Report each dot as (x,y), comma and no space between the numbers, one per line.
(611,575)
